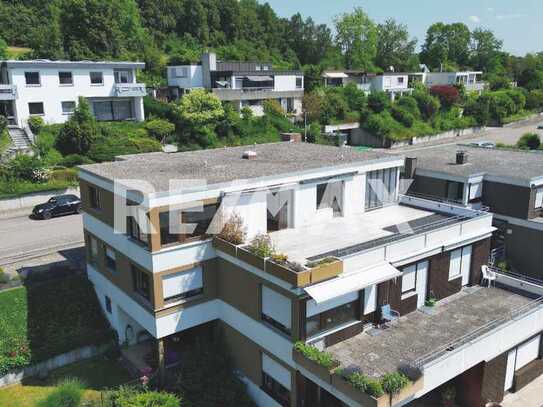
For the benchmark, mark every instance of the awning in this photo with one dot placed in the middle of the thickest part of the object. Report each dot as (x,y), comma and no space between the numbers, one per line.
(255,78)
(335,75)
(342,285)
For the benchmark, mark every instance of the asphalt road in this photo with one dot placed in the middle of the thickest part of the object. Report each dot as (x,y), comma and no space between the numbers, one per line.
(22,237)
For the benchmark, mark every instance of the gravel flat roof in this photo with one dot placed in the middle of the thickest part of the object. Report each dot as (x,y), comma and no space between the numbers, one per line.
(226,164)
(522,165)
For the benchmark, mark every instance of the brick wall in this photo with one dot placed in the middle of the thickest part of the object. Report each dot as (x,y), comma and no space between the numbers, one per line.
(479,256)
(528,373)
(468,386)
(494,379)
(438,279)
(390,292)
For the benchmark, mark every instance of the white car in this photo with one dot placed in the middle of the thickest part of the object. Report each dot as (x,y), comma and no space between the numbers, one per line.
(483,143)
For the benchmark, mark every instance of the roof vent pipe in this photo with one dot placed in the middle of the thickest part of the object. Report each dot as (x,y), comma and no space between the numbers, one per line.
(461,157)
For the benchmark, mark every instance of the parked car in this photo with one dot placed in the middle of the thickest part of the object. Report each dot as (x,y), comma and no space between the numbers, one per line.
(57,205)
(540,127)
(483,143)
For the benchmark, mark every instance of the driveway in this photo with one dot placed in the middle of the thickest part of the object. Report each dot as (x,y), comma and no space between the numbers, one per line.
(21,237)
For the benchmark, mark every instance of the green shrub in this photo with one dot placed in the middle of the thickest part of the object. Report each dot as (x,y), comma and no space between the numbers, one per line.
(36,124)
(24,167)
(67,175)
(378,101)
(403,116)
(273,108)
(529,141)
(4,277)
(393,383)
(261,245)
(79,132)
(409,103)
(160,129)
(131,397)
(534,101)
(428,105)
(365,384)
(72,160)
(67,394)
(323,358)
(374,388)
(314,132)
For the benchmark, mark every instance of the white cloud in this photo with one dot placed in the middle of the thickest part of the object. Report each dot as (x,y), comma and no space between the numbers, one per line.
(474,19)
(510,16)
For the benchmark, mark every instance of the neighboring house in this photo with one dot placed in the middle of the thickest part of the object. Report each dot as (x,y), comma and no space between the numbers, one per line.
(509,182)
(50,89)
(395,84)
(245,84)
(470,79)
(162,289)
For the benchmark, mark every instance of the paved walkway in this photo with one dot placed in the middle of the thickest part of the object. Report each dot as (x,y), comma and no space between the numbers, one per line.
(529,396)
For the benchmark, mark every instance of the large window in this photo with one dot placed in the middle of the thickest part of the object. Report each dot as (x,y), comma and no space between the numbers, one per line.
(111,259)
(539,198)
(68,107)
(276,380)
(381,187)
(123,76)
(460,262)
(455,191)
(93,250)
(299,82)
(32,78)
(96,78)
(276,310)
(94,198)
(141,282)
(182,285)
(409,279)
(36,108)
(65,78)
(113,110)
(331,314)
(134,231)
(330,195)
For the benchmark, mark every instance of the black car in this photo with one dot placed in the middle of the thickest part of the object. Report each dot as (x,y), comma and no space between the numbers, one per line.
(57,205)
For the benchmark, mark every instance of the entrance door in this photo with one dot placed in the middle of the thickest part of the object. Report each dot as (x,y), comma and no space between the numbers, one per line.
(466,265)
(510,371)
(422,283)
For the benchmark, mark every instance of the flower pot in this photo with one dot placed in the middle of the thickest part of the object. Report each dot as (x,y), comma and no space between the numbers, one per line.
(250,258)
(224,246)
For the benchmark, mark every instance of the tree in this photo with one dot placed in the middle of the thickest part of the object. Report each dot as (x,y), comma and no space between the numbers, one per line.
(484,49)
(446,43)
(448,95)
(534,101)
(3,48)
(79,132)
(378,101)
(529,141)
(356,34)
(394,46)
(159,128)
(313,104)
(428,104)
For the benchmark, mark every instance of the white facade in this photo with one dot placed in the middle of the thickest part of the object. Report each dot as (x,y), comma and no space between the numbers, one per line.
(185,76)
(51,90)
(470,79)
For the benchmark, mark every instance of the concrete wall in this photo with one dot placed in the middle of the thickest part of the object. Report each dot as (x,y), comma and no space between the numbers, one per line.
(286,82)
(523,249)
(507,199)
(30,200)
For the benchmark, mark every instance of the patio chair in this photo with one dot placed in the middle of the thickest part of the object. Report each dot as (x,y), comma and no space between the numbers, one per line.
(488,275)
(388,314)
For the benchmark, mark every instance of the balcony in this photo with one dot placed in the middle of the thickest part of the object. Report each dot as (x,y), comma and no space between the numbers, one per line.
(255,93)
(8,92)
(129,89)
(475,86)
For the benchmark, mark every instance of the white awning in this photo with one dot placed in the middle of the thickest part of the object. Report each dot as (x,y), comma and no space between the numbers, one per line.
(342,285)
(335,75)
(256,78)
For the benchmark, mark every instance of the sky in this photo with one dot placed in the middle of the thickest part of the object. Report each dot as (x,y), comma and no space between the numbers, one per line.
(518,23)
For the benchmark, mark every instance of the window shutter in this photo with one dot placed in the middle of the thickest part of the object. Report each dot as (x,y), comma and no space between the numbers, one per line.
(539,198)
(179,283)
(527,352)
(454,266)
(279,373)
(475,190)
(276,306)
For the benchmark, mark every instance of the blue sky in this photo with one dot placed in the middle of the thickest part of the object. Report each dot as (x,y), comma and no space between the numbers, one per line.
(519,23)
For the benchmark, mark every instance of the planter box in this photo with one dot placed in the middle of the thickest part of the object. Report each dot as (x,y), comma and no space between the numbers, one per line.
(297,279)
(224,246)
(360,397)
(318,370)
(326,271)
(250,258)
(408,391)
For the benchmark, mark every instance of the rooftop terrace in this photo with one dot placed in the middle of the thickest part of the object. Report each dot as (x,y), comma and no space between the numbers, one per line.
(420,334)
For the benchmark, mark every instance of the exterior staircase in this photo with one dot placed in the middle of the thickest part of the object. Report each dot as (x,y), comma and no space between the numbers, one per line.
(20,142)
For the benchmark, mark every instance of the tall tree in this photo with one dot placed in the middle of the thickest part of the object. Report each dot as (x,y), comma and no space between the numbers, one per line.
(394,45)
(485,49)
(356,34)
(446,44)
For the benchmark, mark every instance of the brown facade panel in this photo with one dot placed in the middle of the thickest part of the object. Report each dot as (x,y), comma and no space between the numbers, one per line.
(507,199)
(523,250)
(527,374)
(494,379)
(105,214)
(390,292)
(438,277)
(429,186)
(479,257)
(469,385)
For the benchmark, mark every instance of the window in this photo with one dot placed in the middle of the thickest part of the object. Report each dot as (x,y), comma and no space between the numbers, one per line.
(36,108)
(381,187)
(182,285)
(409,279)
(93,249)
(108,304)
(400,79)
(331,314)
(122,76)
(276,310)
(96,78)
(94,197)
(182,72)
(475,191)
(258,68)
(455,191)
(111,259)
(299,82)
(65,78)
(330,195)
(539,198)
(134,231)
(276,380)
(460,262)
(166,237)
(68,107)
(141,282)
(32,78)
(113,110)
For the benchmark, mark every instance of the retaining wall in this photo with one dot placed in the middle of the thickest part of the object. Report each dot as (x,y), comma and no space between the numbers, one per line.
(35,198)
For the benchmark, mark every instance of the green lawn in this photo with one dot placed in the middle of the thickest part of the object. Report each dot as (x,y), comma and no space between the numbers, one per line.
(42,320)
(97,374)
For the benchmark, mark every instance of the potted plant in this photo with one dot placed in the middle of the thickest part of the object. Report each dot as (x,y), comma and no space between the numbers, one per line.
(232,234)
(448,395)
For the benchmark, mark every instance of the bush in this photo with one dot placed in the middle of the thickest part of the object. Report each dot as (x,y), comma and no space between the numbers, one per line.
(67,394)
(365,384)
(534,101)
(160,129)
(428,105)
(67,175)
(381,124)
(529,141)
(261,245)
(26,168)
(132,397)
(35,123)
(4,277)
(72,160)
(409,104)
(79,132)
(246,113)
(323,358)
(403,116)
(314,132)
(233,230)
(273,108)
(394,382)
(378,101)
(356,98)
(448,94)
(334,106)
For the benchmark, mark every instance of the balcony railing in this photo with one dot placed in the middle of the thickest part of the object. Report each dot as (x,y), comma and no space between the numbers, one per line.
(8,92)
(130,89)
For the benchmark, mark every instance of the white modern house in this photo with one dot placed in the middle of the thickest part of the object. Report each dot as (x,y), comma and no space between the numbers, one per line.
(394,83)
(470,79)
(50,89)
(245,84)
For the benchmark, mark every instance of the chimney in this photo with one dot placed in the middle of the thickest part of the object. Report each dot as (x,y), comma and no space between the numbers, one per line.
(249,155)
(292,137)
(209,64)
(461,157)
(410,167)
